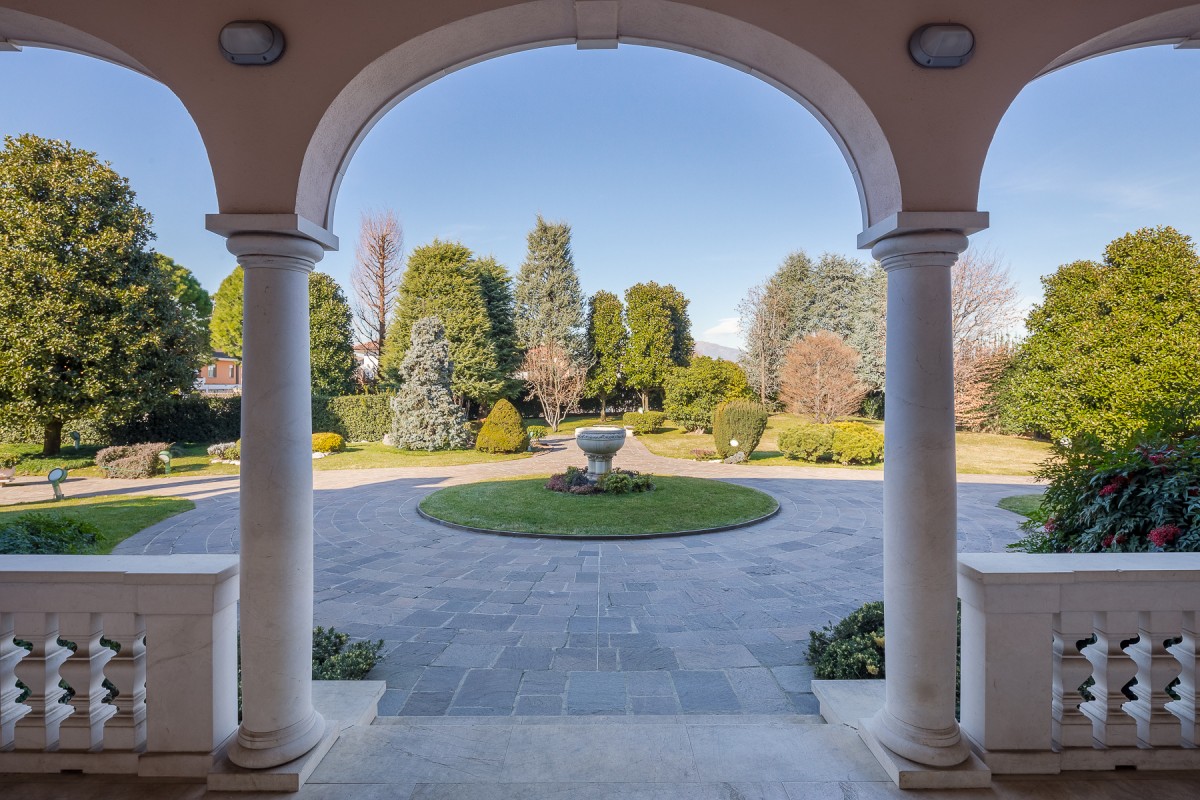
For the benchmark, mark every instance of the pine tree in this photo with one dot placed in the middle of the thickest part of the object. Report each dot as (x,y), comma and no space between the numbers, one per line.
(549,300)
(424,415)
(443,280)
(225,327)
(606,342)
(659,336)
(329,338)
(496,285)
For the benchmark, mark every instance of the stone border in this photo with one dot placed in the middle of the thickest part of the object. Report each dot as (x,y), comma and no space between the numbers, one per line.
(604,537)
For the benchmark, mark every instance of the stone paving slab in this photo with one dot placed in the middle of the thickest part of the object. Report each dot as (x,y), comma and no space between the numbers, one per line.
(572,628)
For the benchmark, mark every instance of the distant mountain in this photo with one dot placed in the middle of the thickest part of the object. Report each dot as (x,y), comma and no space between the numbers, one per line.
(717,351)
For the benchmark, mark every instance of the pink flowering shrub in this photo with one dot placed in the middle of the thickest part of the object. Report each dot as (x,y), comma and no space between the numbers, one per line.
(1137,499)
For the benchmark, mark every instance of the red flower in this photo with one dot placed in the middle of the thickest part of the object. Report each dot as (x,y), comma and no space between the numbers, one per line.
(1050,525)
(1122,539)
(1164,535)
(1108,489)
(1107,542)
(1157,458)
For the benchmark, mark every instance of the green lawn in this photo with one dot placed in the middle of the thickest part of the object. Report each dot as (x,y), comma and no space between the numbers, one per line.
(34,463)
(570,423)
(375,455)
(1027,505)
(978,453)
(523,505)
(116,516)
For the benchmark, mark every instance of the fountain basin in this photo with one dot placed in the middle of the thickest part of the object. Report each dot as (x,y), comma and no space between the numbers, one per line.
(599,443)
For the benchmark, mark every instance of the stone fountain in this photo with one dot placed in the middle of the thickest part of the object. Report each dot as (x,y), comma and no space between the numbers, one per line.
(599,443)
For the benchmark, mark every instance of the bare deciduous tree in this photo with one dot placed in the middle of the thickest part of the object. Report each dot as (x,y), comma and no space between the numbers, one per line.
(555,381)
(983,301)
(819,378)
(766,317)
(375,277)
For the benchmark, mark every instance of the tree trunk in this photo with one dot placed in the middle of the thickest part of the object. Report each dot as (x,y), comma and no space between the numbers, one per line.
(52,437)
(645,401)
(603,412)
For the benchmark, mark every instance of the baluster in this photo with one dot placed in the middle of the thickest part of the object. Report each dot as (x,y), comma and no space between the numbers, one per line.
(84,671)
(1185,652)
(10,654)
(39,670)
(1112,668)
(1155,669)
(127,671)
(1071,727)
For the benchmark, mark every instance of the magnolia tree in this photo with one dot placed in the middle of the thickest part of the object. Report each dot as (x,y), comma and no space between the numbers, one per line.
(555,380)
(424,415)
(819,377)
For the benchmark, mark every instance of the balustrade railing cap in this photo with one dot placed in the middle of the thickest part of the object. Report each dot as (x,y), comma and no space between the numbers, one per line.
(1077,567)
(178,569)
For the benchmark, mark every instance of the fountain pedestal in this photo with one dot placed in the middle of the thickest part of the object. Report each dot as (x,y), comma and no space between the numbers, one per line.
(599,443)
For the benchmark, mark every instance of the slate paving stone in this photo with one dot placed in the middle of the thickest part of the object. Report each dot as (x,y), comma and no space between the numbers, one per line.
(489,688)
(596,693)
(705,624)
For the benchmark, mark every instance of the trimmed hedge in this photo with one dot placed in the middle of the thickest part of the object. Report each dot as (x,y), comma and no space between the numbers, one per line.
(195,418)
(843,442)
(131,461)
(742,421)
(328,443)
(644,422)
(502,431)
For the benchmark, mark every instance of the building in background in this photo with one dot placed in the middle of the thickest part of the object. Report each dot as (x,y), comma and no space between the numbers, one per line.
(222,375)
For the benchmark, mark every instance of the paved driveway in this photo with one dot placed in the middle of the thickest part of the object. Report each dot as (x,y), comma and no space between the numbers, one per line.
(477,624)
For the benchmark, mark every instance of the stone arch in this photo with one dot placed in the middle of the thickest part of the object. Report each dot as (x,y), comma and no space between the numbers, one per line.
(395,75)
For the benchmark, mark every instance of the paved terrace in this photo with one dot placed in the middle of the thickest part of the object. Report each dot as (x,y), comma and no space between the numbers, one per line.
(482,625)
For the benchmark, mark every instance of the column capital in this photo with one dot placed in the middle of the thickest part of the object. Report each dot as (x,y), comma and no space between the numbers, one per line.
(919,249)
(273,251)
(905,222)
(228,225)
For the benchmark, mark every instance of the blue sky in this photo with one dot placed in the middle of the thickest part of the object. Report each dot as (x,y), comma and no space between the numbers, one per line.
(668,167)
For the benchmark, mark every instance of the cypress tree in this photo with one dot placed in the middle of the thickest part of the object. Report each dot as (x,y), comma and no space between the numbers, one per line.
(659,336)
(496,286)
(225,327)
(606,342)
(331,348)
(424,415)
(549,300)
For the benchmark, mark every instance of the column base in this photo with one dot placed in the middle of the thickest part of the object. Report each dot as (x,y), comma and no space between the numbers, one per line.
(934,748)
(971,773)
(254,750)
(227,776)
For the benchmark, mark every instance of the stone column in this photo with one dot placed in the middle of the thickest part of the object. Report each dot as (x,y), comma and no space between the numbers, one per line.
(920,506)
(279,722)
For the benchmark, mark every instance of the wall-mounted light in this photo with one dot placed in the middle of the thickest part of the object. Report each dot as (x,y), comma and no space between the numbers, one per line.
(251,42)
(942,46)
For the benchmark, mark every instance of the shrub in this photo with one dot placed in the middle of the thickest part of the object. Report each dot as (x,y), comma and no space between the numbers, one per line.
(332,661)
(327,443)
(228,451)
(618,481)
(502,431)
(644,422)
(47,534)
(356,417)
(808,442)
(131,461)
(691,393)
(1143,497)
(856,443)
(537,432)
(8,460)
(742,421)
(704,455)
(852,649)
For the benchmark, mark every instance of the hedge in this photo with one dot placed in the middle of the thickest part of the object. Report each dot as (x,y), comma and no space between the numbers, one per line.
(195,418)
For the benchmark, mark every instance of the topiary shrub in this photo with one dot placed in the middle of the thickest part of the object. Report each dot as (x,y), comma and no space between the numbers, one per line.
(131,461)
(332,661)
(502,431)
(856,443)
(742,421)
(327,443)
(692,393)
(807,442)
(643,422)
(47,534)
(852,649)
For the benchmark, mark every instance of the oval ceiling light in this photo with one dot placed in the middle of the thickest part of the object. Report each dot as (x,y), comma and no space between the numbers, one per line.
(942,46)
(251,42)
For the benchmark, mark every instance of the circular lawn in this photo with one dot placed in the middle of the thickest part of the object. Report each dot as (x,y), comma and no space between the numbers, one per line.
(524,506)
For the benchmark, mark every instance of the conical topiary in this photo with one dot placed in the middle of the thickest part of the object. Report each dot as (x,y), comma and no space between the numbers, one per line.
(741,421)
(424,415)
(502,431)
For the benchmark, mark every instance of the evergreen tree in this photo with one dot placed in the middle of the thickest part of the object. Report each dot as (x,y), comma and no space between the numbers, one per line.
(496,285)
(330,340)
(1112,348)
(606,341)
(549,300)
(225,327)
(89,326)
(443,280)
(196,303)
(424,415)
(659,336)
